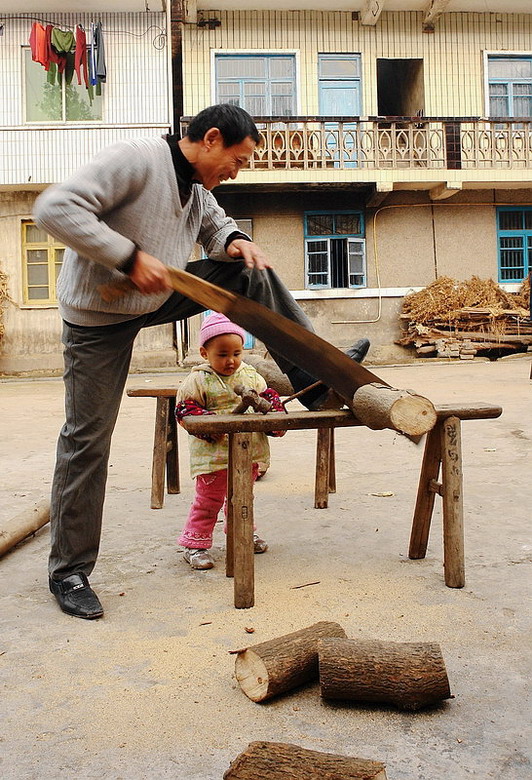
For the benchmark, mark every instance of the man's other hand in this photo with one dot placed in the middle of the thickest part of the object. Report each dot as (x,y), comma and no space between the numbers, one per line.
(251,254)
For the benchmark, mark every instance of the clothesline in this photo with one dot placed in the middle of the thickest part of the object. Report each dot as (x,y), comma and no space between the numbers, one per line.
(62,51)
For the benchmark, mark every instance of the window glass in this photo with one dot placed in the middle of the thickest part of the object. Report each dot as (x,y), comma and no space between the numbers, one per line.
(57,102)
(510,86)
(337,261)
(43,100)
(510,220)
(510,67)
(264,86)
(42,259)
(347,224)
(339,67)
(515,243)
(320,225)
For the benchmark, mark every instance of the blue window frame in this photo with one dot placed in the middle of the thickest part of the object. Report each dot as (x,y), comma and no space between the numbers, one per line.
(335,249)
(262,84)
(514,233)
(510,85)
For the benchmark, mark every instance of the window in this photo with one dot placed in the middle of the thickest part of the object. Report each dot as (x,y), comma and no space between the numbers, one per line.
(339,84)
(514,229)
(58,102)
(335,249)
(264,85)
(510,86)
(42,259)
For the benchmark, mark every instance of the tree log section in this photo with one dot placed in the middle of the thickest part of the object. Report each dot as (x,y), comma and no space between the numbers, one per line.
(278,665)
(408,675)
(281,761)
(22,525)
(379,406)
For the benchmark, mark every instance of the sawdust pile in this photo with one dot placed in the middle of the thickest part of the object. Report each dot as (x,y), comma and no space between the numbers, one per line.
(4,297)
(455,319)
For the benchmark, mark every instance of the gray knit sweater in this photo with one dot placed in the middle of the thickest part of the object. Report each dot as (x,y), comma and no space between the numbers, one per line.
(126,197)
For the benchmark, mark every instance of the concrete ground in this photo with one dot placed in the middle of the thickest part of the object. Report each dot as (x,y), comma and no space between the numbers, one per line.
(149,691)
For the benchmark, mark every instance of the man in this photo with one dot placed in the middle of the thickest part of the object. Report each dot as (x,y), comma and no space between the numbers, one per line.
(138,206)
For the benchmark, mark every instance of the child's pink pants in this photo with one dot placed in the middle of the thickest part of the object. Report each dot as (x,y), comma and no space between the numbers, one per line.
(211,490)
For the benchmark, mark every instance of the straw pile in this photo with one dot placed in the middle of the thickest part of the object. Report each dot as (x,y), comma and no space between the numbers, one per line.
(460,319)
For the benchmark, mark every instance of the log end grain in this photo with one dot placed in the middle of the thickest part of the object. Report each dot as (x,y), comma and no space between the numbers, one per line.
(281,664)
(252,675)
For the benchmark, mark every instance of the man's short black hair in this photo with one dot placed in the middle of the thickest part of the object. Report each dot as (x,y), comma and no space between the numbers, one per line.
(233,122)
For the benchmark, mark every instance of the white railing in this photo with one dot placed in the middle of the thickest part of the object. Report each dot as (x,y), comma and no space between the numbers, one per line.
(392,142)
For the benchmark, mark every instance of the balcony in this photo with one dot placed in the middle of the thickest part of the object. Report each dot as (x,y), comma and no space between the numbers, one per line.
(440,155)
(384,143)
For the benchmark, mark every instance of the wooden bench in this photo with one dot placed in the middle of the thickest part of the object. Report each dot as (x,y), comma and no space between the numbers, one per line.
(442,449)
(165,460)
(165,443)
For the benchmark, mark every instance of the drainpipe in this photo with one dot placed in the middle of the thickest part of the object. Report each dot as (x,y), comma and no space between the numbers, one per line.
(177,20)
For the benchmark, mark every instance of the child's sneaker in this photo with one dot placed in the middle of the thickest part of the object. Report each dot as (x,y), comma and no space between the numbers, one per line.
(199,559)
(259,545)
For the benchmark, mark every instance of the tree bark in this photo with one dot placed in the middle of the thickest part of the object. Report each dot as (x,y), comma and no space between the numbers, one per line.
(278,665)
(281,761)
(408,675)
(378,407)
(23,524)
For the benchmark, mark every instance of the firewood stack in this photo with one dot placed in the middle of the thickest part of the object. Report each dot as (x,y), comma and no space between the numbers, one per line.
(464,319)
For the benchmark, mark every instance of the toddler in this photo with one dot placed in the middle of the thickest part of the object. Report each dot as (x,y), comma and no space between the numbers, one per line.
(208,389)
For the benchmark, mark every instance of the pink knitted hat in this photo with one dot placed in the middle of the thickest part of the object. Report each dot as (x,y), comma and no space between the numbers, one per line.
(215,325)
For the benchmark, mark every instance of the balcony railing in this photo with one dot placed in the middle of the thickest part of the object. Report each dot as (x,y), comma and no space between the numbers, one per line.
(311,143)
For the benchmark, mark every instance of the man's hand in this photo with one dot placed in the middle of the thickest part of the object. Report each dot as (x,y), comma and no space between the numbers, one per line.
(251,254)
(149,274)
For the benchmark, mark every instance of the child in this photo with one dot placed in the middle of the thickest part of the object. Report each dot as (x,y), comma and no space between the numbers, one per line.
(208,389)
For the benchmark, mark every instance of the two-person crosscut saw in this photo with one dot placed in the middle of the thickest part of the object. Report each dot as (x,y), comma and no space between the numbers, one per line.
(287,338)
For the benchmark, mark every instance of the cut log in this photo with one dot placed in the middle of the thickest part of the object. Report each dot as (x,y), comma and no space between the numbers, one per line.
(22,525)
(278,665)
(281,761)
(379,406)
(408,675)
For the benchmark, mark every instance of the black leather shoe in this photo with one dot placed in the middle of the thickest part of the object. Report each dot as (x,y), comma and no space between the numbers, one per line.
(76,597)
(358,350)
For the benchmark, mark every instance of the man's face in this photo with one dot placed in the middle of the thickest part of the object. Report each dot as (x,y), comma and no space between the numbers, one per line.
(216,163)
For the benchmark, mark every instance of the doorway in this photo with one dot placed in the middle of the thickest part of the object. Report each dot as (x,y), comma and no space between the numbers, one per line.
(400,87)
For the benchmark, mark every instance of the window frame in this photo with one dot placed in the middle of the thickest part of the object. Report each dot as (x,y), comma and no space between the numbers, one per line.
(526,236)
(294,53)
(51,246)
(63,121)
(351,239)
(493,55)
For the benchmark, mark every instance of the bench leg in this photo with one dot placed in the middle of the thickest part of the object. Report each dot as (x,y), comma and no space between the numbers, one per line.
(229,521)
(453,508)
(323,448)
(159,453)
(242,501)
(332,463)
(172,451)
(430,469)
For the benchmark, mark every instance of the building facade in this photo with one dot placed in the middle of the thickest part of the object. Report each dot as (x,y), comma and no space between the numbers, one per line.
(396,148)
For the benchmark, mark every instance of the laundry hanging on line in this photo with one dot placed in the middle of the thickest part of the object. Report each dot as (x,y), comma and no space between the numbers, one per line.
(62,52)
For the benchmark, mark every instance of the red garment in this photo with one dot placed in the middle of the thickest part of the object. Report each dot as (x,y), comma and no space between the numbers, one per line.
(38,45)
(80,57)
(52,55)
